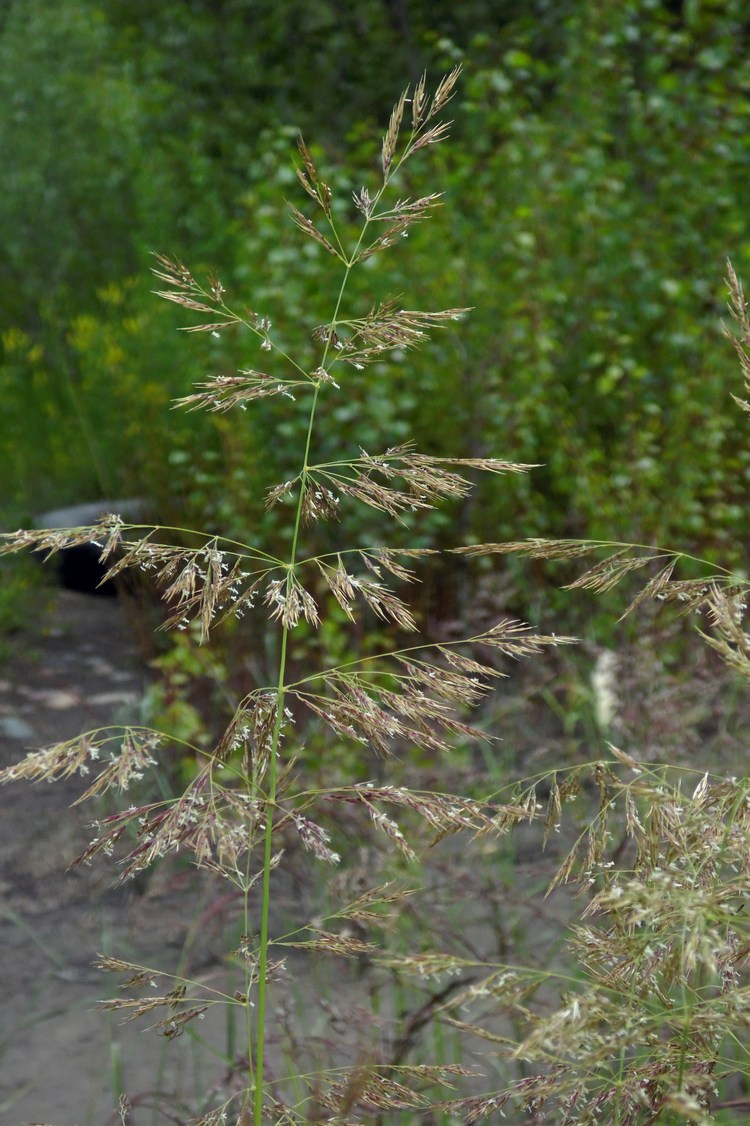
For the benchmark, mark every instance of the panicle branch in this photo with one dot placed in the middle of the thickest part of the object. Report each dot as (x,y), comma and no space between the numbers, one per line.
(741,343)
(130,751)
(402,698)
(401,215)
(427,478)
(621,561)
(226,391)
(384,328)
(208,298)
(313,185)
(308,228)
(391,138)
(105,534)
(184,1002)
(346,587)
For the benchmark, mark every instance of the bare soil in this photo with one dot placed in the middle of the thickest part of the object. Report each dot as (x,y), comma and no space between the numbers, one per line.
(61,1061)
(64,1061)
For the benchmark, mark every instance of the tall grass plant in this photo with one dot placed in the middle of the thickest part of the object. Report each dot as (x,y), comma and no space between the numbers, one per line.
(640,1011)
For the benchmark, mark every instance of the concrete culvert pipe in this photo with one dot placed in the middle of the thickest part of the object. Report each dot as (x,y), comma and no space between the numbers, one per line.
(78,568)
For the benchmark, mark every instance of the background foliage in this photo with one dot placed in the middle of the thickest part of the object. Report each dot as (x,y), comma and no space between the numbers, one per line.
(597,178)
(596,182)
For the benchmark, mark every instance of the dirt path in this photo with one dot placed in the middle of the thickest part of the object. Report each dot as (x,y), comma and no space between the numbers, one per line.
(60,1061)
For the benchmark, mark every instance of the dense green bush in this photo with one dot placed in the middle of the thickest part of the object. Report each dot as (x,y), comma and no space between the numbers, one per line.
(601,159)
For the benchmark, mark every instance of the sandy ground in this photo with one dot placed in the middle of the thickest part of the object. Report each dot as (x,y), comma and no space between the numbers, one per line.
(61,1062)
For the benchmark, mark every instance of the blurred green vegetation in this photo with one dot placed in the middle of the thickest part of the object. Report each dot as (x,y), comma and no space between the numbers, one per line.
(595,184)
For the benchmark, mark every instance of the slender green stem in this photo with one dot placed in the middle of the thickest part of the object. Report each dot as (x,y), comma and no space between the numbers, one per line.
(281,690)
(271,799)
(248,976)
(272,773)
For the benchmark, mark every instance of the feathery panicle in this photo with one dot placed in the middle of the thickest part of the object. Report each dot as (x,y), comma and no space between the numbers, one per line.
(311,182)
(427,479)
(130,754)
(391,138)
(419,103)
(445,90)
(227,391)
(664,924)
(741,343)
(534,548)
(384,328)
(308,227)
